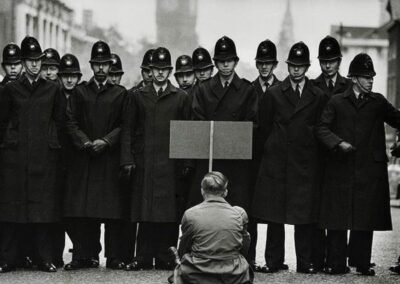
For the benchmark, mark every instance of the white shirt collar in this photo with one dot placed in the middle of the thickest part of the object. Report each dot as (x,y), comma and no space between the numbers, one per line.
(229,80)
(164,86)
(334,78)
(301,85)
(98,83)
(270,81)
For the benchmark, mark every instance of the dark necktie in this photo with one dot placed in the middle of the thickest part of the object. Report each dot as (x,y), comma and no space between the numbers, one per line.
(330,85)
(266,84)
(101,85)
(297,92)
(160,91)
(226,85)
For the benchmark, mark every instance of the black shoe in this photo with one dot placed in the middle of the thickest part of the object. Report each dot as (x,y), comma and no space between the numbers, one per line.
(284,266)
(335,271)
(93,263)
(306,270)
(47,267)
(395,269)
(4,268)
(76,264)
(115,264)
(267,269)
(366,271)
(351,264)
(137,265)
(25,263)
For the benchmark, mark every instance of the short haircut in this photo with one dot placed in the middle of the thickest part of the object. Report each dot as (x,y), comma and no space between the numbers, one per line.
(214,183)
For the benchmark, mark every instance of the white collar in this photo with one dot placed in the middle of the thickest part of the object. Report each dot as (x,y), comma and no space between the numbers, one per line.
(334,78)
(157,87)
(301,85)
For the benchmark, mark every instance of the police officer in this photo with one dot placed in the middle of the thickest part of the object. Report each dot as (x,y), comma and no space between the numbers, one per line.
(50,66)
(287,189)
(30,189)
(266,62)
(331,83)
(129,229)
(225,97)
(184,73)
(116,72)
(355,192)
(145,157)
(11,63)
(49,71)
(330,57)
(147,76)
(202,64)
(92,194)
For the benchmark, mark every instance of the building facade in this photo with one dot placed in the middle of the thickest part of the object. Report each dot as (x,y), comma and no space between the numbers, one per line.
(50,21)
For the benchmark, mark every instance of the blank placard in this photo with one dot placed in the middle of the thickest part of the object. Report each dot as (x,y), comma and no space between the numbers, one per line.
(191,140)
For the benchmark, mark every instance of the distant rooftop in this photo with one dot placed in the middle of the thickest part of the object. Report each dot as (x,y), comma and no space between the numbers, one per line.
(351,32)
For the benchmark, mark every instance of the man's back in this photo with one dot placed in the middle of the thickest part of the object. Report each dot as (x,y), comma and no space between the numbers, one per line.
(214,239)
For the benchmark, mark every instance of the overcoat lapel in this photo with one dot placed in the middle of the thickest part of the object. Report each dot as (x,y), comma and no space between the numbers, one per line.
(307,97)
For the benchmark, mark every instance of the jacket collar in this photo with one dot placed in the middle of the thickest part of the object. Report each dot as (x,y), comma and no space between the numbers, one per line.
(218,199)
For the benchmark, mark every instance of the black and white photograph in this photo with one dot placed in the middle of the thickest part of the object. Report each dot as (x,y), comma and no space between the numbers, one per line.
(199,141)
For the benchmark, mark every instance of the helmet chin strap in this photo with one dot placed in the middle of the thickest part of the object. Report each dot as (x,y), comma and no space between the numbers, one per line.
(364,90)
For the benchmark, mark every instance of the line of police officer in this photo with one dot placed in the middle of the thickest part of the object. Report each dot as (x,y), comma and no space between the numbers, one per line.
(92,152)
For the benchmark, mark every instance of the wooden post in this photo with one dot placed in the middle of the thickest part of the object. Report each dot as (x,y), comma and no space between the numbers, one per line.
(210,158)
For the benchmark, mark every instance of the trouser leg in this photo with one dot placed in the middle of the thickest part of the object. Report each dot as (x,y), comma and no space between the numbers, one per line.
(113,239)
(43,242)
(58,243)
(337,249)
(166,236)
(303,238)
(85,238)
(360,248)
(275,245)
(9,243)
(252,229)
(26,244)
(319,248)
(128,241)
(145,249)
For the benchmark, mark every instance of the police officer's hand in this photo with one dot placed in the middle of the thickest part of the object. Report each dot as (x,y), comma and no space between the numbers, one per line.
(187,172)
(87,146)
(346,147)
(128,170)
(99,145)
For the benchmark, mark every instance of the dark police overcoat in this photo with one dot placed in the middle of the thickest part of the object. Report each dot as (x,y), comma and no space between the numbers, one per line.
(92,188)
(287,187)
(238,103)
(355,192)
(145,143)
(30,116)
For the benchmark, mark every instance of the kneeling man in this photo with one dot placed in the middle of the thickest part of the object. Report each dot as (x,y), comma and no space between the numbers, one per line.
(214,238)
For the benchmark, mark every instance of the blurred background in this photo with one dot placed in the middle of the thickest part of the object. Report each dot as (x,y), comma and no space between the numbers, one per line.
(133,26)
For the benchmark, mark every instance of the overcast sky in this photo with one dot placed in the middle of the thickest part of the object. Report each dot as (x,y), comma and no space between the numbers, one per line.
(248,22)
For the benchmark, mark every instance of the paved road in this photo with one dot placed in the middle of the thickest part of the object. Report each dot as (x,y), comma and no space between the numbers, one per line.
(386,249)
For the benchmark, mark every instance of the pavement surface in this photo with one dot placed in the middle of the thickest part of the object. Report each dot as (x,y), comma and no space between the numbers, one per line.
(386,249)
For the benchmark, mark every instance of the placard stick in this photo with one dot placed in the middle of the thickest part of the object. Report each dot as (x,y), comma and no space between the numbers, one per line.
(210,161)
